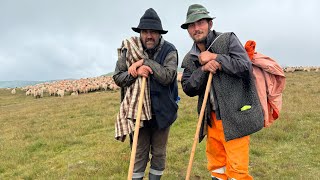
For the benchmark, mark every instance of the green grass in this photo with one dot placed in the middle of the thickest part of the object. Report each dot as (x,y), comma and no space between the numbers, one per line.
(73,137)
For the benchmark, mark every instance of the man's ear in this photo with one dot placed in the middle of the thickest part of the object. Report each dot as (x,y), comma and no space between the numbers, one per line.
(210,24)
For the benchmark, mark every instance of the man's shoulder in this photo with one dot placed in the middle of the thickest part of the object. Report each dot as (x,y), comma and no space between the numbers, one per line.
(169,44)
(224,35)
(187,60)
(187,56)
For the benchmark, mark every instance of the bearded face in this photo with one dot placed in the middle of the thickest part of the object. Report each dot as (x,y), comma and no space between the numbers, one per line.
(149,38)
(199,30)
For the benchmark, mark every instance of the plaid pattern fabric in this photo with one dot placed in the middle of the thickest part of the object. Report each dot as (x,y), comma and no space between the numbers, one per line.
(124,124)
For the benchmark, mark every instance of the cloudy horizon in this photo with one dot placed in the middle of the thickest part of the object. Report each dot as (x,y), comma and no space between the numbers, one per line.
(45,40)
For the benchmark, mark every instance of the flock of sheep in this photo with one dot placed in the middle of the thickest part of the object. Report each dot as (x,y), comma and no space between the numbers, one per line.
(301,68)
(86,85)
(70,87)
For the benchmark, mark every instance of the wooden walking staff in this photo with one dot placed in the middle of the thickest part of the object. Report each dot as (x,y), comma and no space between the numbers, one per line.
(203,107)
(196,136)
(136,130)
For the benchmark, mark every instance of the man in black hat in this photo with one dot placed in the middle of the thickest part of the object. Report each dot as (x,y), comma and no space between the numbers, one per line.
(152,57)
(233,110)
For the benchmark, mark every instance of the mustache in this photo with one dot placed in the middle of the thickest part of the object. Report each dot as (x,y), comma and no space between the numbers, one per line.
(150,39)
(198,32)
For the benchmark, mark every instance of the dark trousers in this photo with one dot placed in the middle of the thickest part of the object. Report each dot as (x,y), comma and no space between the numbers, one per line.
(151,141)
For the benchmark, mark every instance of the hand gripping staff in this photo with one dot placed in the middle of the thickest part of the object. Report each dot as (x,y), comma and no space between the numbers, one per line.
(203,106)
(136,130)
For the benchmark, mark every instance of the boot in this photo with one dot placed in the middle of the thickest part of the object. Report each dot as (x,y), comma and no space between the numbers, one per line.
(214,178)
(154,177)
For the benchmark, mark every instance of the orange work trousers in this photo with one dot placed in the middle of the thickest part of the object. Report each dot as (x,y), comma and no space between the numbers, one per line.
(227,159)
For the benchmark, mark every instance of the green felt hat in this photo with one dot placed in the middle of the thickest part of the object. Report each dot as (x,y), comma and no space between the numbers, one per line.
(195,13)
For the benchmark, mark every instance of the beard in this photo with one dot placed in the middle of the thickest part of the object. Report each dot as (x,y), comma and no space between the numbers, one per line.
(200,39)
(150,43)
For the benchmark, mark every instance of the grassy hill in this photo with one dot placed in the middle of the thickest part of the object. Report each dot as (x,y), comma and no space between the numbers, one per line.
(73,137)
(13,84)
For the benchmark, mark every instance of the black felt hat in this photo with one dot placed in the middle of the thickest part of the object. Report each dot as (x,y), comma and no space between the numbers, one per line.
(150,20)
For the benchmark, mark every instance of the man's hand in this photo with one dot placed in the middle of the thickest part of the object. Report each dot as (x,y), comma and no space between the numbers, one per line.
(206,56)
(133,68)
(144,71)
(211,66)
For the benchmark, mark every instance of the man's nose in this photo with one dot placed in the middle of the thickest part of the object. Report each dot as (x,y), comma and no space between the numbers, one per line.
(196,26)
(149,34)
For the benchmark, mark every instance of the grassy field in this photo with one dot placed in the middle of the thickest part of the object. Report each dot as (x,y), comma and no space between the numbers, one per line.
(73,137)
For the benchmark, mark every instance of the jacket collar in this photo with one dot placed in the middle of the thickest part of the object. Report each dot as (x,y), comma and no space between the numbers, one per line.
(195,51)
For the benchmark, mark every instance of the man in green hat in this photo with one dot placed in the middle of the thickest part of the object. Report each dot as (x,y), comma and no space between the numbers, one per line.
(154,58)
(233,110)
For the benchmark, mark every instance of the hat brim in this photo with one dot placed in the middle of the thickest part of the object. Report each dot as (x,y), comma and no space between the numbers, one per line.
(137,30)
(195,18)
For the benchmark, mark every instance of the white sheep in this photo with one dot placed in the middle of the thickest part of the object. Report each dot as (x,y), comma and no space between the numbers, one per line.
(38,93)
(28,93)
(13,91)
(60,92)
(75,93)
(289,69)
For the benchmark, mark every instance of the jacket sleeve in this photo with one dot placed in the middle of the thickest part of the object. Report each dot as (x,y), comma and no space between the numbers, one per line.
(167,73)
(237,61)
(121,76)
(193,79)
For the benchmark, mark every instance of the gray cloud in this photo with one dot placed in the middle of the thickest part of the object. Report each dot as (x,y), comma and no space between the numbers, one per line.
(43,40)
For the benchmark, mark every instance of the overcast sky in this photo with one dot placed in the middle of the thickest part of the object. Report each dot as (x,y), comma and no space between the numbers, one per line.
(60,39)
